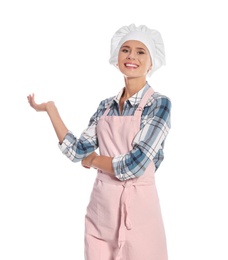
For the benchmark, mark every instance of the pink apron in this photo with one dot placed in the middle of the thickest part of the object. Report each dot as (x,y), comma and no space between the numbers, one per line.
(123,220)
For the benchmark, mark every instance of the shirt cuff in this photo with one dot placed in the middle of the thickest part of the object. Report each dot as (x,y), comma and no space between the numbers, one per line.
(67,142)
(116,164)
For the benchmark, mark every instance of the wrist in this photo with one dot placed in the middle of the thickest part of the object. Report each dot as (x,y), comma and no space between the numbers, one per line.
(49,106)
(93,160)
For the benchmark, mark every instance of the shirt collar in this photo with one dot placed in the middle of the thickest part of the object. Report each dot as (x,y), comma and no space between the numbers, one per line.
(136,98)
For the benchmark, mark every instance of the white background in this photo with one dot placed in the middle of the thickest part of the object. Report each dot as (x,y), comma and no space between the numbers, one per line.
(59,50)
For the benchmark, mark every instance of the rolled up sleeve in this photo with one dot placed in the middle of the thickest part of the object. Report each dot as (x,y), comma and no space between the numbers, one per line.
(77,149)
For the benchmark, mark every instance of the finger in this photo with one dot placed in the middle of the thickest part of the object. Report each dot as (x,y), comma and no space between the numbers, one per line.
(29,97)
(86,167)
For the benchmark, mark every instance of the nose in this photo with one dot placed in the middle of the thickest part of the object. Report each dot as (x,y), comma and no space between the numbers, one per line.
(131,56)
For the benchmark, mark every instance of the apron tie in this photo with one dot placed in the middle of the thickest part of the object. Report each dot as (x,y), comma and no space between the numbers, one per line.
(124,218)
(125,221)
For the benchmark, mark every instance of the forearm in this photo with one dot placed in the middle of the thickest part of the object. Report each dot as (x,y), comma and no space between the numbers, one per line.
(103,163)
(58,124)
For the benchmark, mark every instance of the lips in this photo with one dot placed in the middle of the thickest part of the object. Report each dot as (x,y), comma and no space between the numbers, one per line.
(131,65)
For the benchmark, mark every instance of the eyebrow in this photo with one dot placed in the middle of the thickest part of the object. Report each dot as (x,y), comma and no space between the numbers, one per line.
(126,46)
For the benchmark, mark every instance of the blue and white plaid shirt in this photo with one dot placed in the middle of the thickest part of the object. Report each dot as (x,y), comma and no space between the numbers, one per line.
(148,144)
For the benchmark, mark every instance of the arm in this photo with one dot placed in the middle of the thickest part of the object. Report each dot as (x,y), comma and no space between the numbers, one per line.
(148,144)
(49,107)
(76,149)
(68,142)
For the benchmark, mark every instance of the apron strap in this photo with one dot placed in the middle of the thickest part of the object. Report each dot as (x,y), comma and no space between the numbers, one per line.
(108,108)
(144,100)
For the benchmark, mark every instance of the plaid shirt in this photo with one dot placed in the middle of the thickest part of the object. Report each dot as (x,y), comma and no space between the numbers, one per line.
(148,144)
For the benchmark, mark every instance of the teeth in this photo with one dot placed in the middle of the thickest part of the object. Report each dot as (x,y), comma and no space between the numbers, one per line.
(131,65)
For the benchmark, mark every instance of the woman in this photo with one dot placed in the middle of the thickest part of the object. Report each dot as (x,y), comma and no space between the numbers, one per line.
(123,219)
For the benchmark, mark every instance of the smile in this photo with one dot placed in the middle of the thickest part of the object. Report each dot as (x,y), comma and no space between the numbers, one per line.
(130,65)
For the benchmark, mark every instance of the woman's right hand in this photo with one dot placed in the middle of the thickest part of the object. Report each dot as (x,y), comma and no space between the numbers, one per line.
(37,107)
(87,161)
(49,107)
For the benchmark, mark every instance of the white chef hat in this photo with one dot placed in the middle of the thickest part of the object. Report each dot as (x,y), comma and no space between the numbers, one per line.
(151,38)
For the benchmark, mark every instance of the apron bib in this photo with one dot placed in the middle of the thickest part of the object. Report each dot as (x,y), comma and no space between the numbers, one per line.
(123,219)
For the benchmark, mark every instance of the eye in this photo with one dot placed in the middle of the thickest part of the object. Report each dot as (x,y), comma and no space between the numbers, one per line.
(124,50)
(141,52)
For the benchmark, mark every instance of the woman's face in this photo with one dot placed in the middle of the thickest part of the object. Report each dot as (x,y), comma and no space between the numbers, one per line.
(134,59)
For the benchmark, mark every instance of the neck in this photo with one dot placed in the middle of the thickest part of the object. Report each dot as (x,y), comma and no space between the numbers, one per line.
(132,86)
